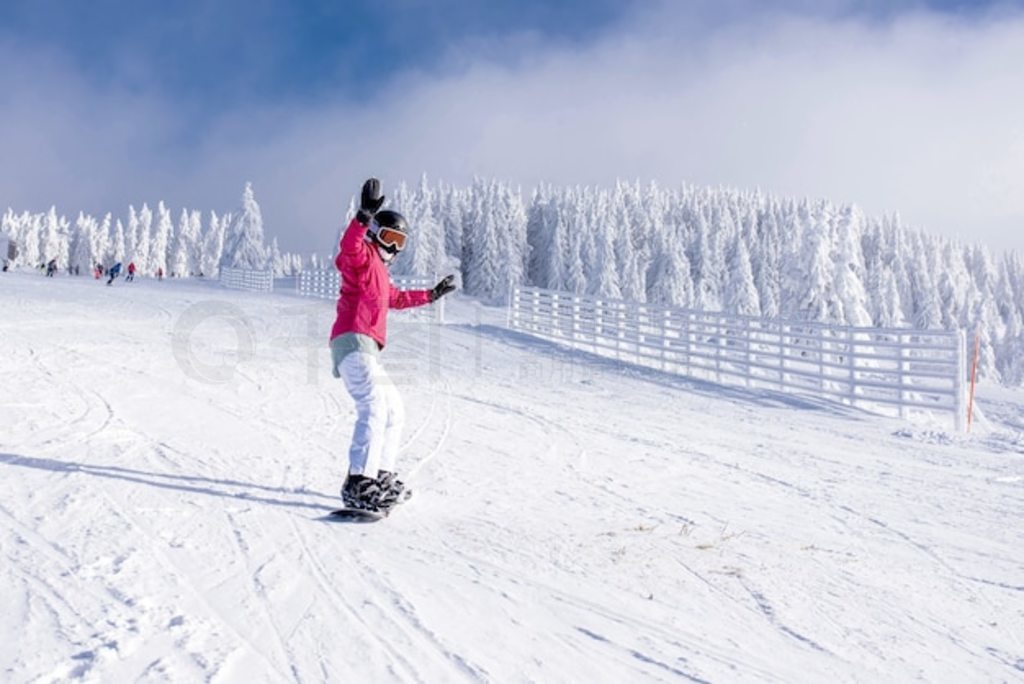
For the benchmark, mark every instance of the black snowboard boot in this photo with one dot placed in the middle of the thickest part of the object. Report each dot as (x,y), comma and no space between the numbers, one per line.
(393,490)
(362,492)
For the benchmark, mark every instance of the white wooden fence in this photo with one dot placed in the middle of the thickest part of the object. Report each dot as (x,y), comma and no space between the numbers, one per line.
(245,279)
(883,370)
(327,283)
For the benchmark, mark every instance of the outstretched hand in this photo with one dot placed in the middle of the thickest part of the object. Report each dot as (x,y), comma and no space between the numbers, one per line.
(446,285)
(370,201)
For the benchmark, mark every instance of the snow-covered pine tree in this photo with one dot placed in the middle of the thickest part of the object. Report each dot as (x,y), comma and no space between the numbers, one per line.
(131,235)
(142,259)
(31,239)
(81,243)
(481,270)
(277,260)
(546,235)
(184,253)
(953,285)
(575,268)
(668,278)
(766,256)
(9,230)
(817,298)
(850,269)
(628,242)
(741,293)
(927,313)
(160,245)
(557,247)
(53,239)
(213,245)
(1006,302)
(537,230)
(890,313)
(705,266)
(243,239)
(513,251)
(604,282)
(450,207)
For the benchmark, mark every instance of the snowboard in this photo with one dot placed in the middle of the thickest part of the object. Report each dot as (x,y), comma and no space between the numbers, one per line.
(363,515)
(358,514)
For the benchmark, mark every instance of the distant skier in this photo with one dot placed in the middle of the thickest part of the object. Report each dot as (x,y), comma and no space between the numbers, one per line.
(114,272)
(131,272)
(51,268)
(368,247)
(160,273)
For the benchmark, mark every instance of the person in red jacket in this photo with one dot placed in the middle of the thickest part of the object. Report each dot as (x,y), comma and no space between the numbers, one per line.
(131,272)
(368,246)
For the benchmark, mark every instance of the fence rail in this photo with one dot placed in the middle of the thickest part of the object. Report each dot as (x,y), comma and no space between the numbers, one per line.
(326,284)
(878,369)
(246,279)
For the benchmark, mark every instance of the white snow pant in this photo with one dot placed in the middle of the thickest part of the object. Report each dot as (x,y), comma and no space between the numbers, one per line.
(380,414)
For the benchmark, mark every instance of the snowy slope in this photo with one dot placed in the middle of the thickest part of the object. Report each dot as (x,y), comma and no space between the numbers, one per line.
(168,452)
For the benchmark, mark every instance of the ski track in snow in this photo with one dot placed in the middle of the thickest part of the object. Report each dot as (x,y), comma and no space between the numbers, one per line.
(573,519)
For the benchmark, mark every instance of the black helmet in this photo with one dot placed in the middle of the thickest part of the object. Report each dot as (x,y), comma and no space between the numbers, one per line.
(391,219)
(390,230)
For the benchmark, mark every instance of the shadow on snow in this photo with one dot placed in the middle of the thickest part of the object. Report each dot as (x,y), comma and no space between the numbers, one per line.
(757,396)
(190,484)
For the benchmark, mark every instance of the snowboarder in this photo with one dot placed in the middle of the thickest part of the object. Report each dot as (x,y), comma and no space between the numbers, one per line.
(114,271)
(368,246)
(131,272)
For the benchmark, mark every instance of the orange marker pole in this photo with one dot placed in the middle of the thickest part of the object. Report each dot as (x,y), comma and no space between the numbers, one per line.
(974,376)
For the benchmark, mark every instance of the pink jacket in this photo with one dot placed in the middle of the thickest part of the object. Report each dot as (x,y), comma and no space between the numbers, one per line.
(366,289)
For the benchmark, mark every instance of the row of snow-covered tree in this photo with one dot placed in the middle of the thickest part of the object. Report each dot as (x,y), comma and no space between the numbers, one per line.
(711,249)
(717,249)
(154,241)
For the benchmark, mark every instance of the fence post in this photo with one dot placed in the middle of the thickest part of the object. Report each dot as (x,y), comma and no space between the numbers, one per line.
(781,355)
(665,315)
(556,318)
(960,382)
(513,309)
(536,313)
(902,365)
(687,346)
(851,361)
(821,359)
(747,342)
(641,314)
(575,317)
(620,332)
(717,350)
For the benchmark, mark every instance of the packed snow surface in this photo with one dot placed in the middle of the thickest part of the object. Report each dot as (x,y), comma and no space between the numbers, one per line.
(169,451)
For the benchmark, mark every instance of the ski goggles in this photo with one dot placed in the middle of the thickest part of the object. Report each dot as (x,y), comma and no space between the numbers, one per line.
(391,238)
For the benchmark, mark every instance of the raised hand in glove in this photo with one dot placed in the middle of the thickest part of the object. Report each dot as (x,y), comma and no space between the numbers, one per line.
(370,202)
(442,288)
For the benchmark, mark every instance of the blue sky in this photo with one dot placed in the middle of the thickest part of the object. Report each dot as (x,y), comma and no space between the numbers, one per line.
(908,106)
(231,53)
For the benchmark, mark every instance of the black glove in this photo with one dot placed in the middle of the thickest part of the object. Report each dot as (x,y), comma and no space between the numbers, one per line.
(442,288)
(370,202)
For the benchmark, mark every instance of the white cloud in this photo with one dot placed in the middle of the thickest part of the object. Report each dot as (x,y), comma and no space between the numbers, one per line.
(920,114)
